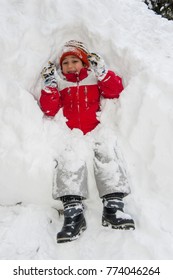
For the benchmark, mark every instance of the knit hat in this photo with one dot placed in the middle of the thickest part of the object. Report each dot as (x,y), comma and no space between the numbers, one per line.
(76,48)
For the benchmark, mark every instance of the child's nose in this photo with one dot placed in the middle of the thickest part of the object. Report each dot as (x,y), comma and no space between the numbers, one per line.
(70,65)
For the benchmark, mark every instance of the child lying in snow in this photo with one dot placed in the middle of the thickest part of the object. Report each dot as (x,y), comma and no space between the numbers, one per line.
(82,80)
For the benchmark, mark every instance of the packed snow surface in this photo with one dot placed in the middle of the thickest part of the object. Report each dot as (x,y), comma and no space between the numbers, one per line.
(138,46)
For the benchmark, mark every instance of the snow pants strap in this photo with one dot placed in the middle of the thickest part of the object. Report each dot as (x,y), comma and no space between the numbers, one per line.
(73,205)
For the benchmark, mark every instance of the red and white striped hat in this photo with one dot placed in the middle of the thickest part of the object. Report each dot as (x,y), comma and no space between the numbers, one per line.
(76,48)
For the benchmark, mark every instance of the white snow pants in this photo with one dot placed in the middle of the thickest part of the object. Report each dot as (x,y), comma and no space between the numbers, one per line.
(71,171)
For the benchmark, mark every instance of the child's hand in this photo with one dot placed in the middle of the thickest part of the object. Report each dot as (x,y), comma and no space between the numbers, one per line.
(98,65)
(48,75)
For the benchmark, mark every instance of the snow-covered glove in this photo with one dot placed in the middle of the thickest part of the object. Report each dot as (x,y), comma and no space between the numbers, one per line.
(98,65)
(48,75)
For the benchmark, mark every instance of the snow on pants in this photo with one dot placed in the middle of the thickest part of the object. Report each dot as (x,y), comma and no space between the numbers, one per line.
(71,171)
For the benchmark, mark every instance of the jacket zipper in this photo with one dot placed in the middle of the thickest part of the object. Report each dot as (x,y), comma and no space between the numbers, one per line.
(78,107)
(86,97)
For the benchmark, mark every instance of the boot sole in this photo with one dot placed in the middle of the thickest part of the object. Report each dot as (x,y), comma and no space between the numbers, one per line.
(125,226)
(68,239)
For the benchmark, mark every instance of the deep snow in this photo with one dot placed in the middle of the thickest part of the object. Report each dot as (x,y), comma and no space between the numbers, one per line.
(138,45)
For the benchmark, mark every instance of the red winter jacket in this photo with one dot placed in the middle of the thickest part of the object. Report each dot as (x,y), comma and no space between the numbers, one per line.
(79,96)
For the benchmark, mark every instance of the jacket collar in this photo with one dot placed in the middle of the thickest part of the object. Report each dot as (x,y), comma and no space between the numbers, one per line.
(77,77)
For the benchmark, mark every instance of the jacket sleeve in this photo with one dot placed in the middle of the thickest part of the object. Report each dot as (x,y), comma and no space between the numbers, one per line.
(50,102)
(111,86)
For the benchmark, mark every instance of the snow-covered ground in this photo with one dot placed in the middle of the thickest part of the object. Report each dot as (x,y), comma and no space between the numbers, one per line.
(138,45)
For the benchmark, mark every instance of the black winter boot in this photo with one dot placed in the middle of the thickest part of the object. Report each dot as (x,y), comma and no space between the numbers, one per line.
(113,213)
(74,221)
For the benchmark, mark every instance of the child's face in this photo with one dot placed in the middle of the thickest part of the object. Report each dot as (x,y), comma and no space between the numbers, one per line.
(71,64)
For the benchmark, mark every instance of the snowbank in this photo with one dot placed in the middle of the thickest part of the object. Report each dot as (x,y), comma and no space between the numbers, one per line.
(136,44)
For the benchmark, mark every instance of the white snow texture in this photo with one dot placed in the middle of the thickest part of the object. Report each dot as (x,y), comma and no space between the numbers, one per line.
(138,46)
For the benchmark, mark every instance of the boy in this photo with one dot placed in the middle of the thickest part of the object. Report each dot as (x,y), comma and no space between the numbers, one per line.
(77,88)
